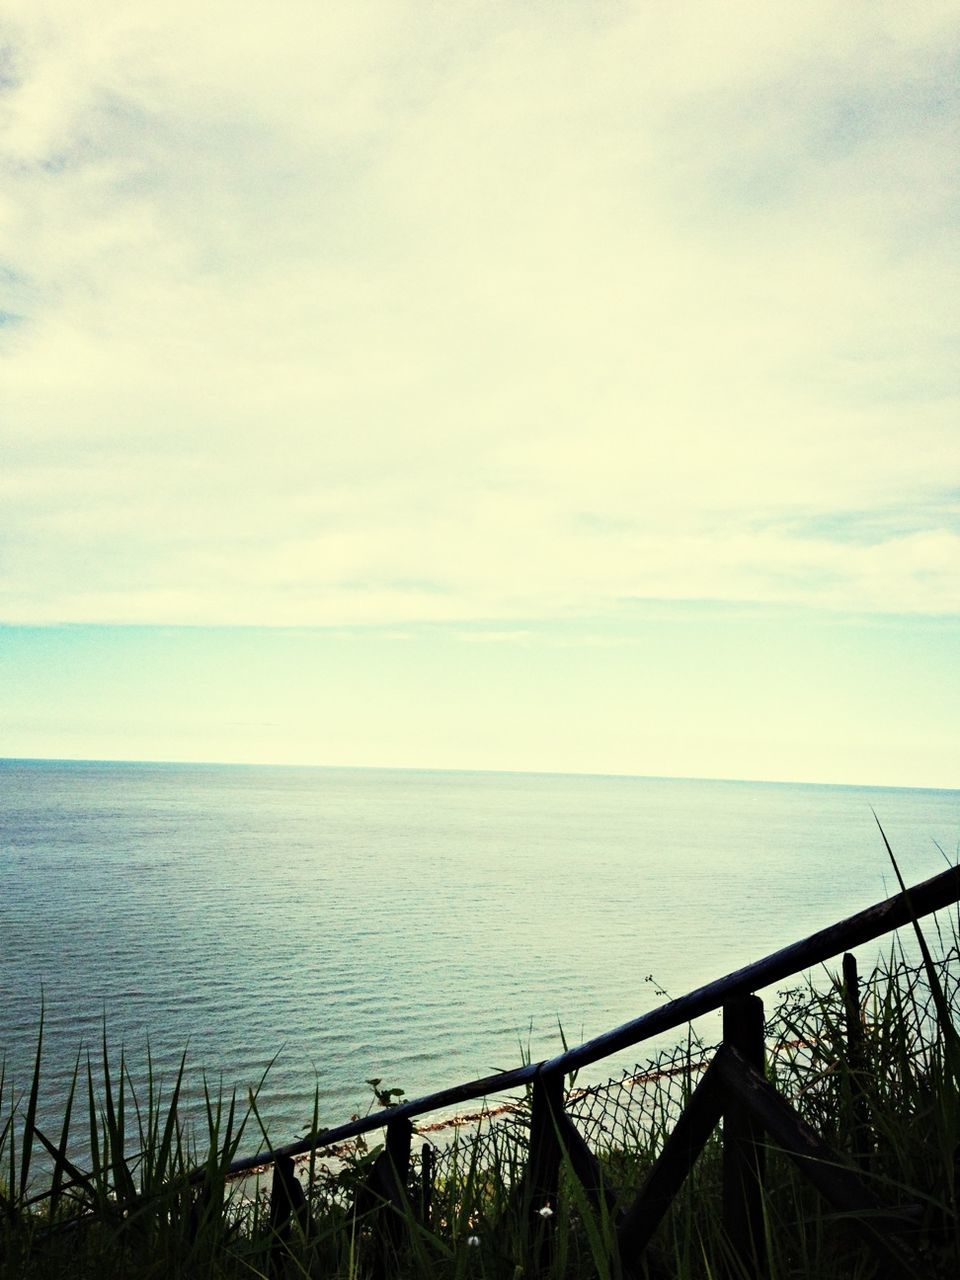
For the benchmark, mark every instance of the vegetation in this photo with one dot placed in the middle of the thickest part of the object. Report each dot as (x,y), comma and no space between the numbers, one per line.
(153,1198)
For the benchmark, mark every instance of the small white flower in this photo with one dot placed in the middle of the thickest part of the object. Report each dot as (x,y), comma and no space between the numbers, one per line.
(545,1212)
(473,1242)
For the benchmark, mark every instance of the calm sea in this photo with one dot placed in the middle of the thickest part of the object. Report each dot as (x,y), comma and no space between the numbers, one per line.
(416,926)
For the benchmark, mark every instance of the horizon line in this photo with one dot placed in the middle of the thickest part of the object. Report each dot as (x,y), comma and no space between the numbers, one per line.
(531,773)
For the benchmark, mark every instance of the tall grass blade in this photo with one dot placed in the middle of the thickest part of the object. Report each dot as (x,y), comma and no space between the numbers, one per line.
(163,1152)
(31,1116)
(60,1160)
(77,1176)
(96,1164)
(951,1038)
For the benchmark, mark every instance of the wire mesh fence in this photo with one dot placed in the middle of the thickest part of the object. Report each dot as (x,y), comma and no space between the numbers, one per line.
(626,1118)
(872,1066)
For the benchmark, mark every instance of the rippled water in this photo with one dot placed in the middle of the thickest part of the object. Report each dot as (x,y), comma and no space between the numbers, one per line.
(417,926)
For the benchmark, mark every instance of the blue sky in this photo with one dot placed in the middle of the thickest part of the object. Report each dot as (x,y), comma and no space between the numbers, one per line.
(580,378)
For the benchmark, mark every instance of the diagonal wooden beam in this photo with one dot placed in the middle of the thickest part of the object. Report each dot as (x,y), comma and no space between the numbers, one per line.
(587,1168)
(698,1120)
(816,1160)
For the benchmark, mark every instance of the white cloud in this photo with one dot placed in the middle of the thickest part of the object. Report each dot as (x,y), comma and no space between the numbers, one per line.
(368,312)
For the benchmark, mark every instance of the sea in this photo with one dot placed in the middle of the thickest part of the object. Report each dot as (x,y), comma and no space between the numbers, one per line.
(335,926)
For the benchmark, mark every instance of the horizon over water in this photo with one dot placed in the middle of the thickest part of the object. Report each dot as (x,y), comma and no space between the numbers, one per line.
(417,925)
(184,763)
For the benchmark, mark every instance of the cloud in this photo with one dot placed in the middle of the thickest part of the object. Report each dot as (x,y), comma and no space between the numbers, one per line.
(382,312)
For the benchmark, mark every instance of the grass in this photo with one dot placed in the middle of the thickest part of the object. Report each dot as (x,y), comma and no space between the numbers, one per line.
(152,1197)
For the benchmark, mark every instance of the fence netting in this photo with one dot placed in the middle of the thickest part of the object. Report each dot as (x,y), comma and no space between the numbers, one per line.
(626,1118)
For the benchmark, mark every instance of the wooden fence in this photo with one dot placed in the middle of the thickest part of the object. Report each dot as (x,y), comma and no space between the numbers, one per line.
(733,1089)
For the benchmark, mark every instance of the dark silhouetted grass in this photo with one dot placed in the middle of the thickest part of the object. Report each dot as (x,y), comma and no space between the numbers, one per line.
(151,1196)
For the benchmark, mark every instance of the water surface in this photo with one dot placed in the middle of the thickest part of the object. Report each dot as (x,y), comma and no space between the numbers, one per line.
(417,926)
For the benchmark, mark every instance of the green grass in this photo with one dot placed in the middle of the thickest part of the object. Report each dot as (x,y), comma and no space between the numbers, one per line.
(151,1196)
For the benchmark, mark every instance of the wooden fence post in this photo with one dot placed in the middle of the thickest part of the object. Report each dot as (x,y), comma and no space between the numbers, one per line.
(399,1138)
(287,1200)
(543,1164)
(384,1196)
(743,1151)
(542,1180)
(842,1187)
(428,1162)
(862,1135)
(851,1005)
(396,1190)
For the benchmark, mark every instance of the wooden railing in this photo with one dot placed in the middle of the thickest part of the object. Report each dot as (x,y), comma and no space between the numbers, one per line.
(733,1088)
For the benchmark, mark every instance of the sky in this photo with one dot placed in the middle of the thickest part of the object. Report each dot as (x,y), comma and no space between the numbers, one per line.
(545,386)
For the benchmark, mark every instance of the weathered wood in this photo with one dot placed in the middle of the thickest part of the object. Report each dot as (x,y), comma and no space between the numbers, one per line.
(543,1160)
(428,1162)
(931,895)
(386,1184)
(743,1152)
(861,1135)
(587,1170)
(823,1166)
(690,1134)
(851,1006)
(693,1128)
(542,1175)
(287,1202)
(385,1197)
(399,1138)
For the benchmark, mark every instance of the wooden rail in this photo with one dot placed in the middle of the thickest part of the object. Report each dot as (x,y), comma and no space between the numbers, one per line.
(733,1089)
(866,926)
